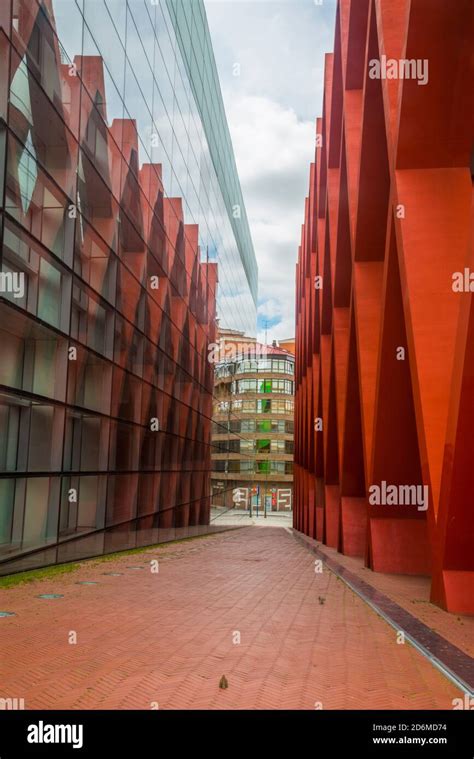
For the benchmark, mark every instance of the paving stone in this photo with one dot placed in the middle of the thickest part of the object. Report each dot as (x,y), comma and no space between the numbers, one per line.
(169,637)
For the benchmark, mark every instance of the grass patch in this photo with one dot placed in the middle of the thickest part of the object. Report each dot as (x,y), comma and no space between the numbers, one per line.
(45,573)
(48,573)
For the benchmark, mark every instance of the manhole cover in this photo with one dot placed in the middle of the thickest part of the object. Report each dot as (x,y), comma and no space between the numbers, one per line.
(50,595)
(7,613)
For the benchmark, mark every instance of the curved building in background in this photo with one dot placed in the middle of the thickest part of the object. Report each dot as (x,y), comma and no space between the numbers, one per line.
(252,431)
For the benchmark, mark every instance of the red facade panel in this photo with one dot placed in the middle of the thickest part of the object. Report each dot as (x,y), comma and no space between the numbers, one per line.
(384,383)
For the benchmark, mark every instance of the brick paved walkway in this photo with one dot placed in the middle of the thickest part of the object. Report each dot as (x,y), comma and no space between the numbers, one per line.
(413,594)
(168,637)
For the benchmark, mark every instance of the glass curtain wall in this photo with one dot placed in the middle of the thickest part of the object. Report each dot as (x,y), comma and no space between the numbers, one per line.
(117,254)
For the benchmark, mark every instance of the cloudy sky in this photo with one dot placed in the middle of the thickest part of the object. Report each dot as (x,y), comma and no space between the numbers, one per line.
(270,58)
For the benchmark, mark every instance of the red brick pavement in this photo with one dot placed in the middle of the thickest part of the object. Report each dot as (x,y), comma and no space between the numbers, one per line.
(168,637)
(413,594)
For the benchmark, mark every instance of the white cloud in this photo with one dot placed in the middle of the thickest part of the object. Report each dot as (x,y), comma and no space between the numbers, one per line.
(280,46)
(273,151)
(271,109)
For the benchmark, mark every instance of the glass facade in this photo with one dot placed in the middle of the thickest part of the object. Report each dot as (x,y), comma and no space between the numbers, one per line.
(118,250)
(267,406)
(234,466)
(190,23)
(263,386)
(256,366)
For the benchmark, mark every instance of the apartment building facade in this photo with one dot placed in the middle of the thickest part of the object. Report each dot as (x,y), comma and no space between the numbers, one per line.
(252,432)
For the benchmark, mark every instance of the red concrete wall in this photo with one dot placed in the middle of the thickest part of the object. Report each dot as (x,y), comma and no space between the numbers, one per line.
(387,223)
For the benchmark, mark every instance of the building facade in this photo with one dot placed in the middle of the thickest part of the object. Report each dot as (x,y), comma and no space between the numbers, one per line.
(252,431)
(385,321)
(122,238)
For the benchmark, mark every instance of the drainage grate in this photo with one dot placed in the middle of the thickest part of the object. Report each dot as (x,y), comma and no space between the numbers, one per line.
(87,582)
(50,595)
(141,567)
(113,574)
(7,613)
